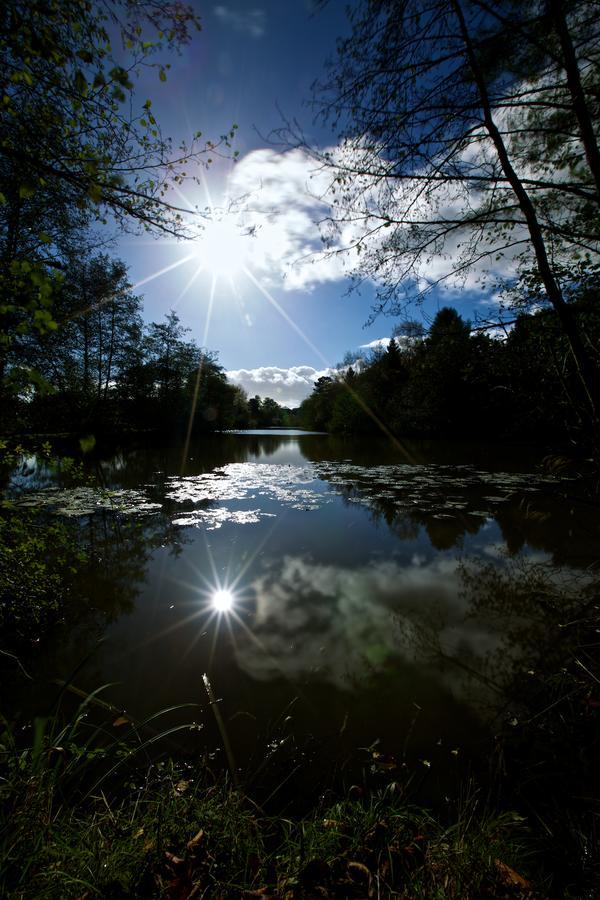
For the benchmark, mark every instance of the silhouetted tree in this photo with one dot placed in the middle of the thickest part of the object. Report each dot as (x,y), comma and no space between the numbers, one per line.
(469,133)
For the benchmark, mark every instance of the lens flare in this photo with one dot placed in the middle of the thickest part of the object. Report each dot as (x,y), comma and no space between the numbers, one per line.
(222,601)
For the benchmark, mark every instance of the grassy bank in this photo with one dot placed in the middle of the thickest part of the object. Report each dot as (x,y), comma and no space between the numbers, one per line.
(173,833)
(96,805)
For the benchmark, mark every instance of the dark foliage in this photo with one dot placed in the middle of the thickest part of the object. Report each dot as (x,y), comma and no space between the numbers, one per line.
(458,382)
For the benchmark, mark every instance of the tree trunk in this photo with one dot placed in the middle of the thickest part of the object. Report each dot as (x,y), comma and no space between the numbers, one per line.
(111,349)
(569,63)
(586,371)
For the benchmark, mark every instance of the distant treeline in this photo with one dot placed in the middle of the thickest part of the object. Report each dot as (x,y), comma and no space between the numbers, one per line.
(457,381)
(96,367)
(99,368)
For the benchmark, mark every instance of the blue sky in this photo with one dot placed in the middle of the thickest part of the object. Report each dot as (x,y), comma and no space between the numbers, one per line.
(278,316)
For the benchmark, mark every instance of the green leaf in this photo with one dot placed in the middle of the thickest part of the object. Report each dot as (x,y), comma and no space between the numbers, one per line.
(87,444)
(95,192)
(80,82)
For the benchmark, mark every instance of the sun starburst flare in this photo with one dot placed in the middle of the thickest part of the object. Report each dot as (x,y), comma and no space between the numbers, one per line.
(222,601)
(222,248)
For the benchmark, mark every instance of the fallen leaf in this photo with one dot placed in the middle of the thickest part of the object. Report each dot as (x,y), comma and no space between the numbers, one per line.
(195,841)
(121,720)
(359,867)
(181,787)
(510,877)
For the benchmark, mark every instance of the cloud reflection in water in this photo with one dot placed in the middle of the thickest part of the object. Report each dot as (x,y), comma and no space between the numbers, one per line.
(340,625)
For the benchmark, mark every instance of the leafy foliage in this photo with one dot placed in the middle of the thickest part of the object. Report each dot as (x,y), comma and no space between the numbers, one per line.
(458,382)
(445,135)
(76,149)
(38,560)
(66,122)
(459,159)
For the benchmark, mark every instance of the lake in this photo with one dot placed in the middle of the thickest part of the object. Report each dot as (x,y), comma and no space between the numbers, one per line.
(338,593)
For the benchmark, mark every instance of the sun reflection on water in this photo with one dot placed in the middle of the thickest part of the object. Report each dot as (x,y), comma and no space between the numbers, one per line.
(222,601)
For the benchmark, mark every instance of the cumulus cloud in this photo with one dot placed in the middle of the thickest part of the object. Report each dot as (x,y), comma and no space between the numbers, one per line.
(286,208)
(285,196)
(288,386)
(299,239)
(249,21)
(500,333)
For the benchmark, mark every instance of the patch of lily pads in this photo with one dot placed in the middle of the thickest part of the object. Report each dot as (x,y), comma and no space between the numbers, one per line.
(212,499)
(214,518)
(437,490)
(296,487)
(84,501)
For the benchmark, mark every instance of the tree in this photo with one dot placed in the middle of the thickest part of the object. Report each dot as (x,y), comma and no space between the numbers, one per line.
(255,411)
(75,148)
(316,410)
(67,117)
(442,380)
(448,326)
(184,387)
(170,359)
(84,360)
(468,137)
(272,413)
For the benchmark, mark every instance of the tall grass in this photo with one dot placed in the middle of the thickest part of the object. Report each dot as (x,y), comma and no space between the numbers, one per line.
(89,809)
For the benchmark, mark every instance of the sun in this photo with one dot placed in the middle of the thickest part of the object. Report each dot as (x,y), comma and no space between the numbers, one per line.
(222,247)
(222,601)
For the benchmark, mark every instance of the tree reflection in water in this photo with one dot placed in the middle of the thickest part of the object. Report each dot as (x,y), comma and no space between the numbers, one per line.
(547,667)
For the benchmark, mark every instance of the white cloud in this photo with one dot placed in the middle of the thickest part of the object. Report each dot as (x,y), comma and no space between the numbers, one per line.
(376,344)
(404,342)
(283,199)
(249,21)
(288,386)
(500,333)
(288,203)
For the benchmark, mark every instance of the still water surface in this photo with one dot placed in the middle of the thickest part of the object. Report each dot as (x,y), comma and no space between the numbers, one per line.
(346,564)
